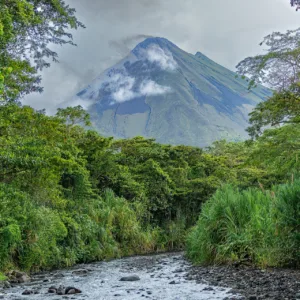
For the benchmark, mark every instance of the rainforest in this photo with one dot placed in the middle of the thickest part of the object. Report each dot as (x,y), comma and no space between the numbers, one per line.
(70,195)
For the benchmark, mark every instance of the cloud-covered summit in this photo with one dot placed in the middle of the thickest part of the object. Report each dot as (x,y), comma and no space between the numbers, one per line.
(226,31)
(121,82)
(163,92)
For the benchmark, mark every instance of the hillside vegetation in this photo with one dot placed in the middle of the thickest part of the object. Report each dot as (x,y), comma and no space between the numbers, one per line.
(70,195)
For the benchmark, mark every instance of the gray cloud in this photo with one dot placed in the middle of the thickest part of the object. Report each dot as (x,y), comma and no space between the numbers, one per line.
(124,46)
(227,31)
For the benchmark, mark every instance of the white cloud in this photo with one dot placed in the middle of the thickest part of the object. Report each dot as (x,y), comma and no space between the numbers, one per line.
(124,94)
(151,88)
(162,57)
(121,87)
(124,88)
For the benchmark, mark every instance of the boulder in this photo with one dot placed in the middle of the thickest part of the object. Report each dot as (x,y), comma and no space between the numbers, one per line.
(24,278)
(72,290)
(27,292)
(18,277)
(130,278)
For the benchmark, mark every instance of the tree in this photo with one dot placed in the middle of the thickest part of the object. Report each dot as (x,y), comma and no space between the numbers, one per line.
(295,3)
(279,69)
(278,150)
(74,115)
(27,27)
(280,66)
(282,108)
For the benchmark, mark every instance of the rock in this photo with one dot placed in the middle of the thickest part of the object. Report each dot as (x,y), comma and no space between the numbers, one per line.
(61,290)
(27,292)
(52,290)
(6,285)
(58,275)
(24,278)
(80,272)
(130,278)
(252,297)
(208,288)
(179,271)
(72,290)
(297,296)
(172,282)
(18,274)
(18,277)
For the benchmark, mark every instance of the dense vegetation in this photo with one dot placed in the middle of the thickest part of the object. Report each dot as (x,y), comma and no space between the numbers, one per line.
(262,224)
(63,189)
(69,195)
(258,226)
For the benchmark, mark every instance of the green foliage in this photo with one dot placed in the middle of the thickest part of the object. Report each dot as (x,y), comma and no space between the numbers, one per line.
(2,277)
(74,115)
(69,195)
(27,27)
(56,205)
(259,226)
(282,108)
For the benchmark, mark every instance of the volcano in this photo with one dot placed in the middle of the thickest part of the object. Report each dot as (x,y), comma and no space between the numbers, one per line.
(160,91)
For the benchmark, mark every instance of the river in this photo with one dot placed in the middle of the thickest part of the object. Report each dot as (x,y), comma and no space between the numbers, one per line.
(162,276)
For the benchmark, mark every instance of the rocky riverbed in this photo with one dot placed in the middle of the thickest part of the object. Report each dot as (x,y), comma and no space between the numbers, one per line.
(252,283)
(164,276)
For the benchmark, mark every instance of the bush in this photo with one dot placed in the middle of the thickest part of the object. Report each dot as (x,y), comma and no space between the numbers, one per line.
(260,226)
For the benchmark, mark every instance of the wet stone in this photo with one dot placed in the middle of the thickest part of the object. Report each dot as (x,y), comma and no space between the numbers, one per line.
(130,278)
(80,272)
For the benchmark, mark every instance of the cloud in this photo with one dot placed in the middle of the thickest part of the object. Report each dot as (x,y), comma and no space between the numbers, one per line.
(162,57)
(151,88)
(125,45)
(225,31)
(123,87)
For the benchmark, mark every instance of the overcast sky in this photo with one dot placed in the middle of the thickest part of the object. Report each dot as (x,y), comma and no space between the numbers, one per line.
(227,31)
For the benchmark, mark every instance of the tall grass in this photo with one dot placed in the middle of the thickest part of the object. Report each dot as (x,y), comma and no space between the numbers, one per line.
(260,226)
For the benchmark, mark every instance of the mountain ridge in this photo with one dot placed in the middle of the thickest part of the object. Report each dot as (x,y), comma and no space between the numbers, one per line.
(161,91)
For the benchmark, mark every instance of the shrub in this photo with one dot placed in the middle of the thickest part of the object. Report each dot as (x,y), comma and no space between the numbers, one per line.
(260,226)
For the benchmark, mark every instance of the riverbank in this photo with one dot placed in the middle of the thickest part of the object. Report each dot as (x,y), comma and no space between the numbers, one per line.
(252,283)
(167,276)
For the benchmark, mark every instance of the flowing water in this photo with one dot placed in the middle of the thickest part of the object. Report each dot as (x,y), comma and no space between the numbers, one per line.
(161,277)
